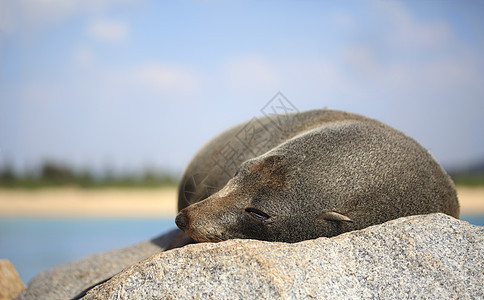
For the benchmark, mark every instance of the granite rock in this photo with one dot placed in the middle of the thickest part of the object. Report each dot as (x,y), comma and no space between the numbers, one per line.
(430,256)
(10,283)
(68,280)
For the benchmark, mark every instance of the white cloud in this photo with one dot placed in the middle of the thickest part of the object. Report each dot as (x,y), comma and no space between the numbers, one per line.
(108,30)
(165,79)
(251,72)
(444,75)
(322,78)
(32,15)
(362,59)
(35,12)
(404,30)
(408,55)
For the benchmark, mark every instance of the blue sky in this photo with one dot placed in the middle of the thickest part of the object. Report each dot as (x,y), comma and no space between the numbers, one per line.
(132,84)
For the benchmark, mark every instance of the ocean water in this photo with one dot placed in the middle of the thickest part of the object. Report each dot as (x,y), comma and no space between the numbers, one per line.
(34,245)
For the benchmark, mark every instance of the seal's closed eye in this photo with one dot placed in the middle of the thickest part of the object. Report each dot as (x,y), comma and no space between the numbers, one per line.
(256,214)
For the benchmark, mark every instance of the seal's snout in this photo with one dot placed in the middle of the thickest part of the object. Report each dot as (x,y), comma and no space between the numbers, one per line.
(181,220)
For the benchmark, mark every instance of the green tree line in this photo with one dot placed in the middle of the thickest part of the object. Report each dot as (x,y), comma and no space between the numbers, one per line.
(51,174)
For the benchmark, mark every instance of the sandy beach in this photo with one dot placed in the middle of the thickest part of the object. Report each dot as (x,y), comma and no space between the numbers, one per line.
(102,203)
(134,203)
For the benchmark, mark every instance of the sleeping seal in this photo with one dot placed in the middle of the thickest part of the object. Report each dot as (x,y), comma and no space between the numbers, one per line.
(312,174)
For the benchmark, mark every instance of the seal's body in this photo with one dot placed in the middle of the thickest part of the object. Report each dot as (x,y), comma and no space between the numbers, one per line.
(301,176)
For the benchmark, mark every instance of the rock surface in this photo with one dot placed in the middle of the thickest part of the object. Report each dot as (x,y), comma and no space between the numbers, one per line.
(431,256)
(68,280)
(10,283)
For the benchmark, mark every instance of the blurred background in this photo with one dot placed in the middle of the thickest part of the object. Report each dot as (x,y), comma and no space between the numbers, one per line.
(107,100)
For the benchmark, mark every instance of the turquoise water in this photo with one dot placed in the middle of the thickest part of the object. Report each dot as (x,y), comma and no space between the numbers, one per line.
(34,245)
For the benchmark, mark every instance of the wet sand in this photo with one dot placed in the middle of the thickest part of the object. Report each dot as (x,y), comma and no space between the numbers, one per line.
(134,203)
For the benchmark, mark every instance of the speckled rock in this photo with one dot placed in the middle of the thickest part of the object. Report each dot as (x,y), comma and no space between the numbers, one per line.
(433,256)
(10,283)
(68,280)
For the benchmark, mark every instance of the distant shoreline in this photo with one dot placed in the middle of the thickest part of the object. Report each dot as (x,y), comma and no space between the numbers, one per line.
(133,203)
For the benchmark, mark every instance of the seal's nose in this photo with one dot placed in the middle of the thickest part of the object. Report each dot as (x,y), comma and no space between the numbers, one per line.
(181,220)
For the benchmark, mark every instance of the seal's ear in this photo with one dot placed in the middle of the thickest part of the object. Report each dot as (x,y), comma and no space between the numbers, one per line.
(334,216)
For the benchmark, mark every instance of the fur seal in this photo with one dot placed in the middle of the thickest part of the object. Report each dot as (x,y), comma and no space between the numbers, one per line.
(311,174)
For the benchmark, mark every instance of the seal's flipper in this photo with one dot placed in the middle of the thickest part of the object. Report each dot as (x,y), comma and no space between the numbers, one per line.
(180,240)
(334,216)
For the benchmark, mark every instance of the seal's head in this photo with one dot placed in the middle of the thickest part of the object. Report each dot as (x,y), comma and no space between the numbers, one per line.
(258,203)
